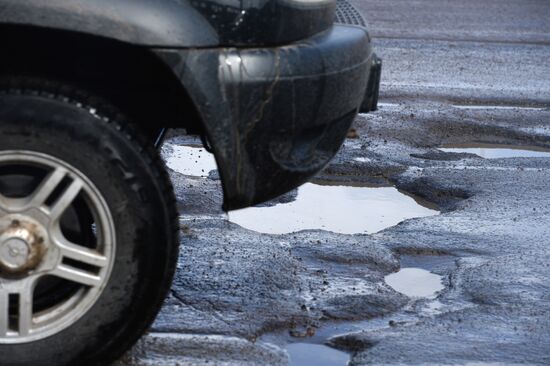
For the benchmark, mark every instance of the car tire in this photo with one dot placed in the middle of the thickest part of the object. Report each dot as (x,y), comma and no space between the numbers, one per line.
(71,166)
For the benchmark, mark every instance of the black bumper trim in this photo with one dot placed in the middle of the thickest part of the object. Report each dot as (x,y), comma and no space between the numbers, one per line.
(276,116)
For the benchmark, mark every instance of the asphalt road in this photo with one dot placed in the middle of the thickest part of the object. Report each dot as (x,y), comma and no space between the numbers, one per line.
(469,51)
(240,297)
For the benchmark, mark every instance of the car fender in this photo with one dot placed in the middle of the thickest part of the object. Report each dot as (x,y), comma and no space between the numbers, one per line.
(160,23)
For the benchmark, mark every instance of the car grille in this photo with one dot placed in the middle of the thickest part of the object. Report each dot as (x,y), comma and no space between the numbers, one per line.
(346,13)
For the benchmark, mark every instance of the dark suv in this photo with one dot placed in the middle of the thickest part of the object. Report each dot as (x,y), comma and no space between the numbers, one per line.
(88,88)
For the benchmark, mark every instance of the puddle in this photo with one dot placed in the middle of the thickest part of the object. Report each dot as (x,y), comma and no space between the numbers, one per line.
(493,151)
(308,354)
(340,209)
(498,107)
(191,160)
(415,282)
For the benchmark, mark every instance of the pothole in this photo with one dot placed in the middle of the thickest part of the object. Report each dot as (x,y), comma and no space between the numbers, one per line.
(416,278)
(415,282)
(340,209)
(190,160)
(418,283)
(497,151)
(309,354)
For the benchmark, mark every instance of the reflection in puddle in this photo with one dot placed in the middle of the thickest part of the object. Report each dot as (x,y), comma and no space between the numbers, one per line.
(492,151)
(415,282)
(307,354)
(340,209)
(194,161)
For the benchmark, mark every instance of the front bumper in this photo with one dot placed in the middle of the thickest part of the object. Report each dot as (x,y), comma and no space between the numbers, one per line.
(276,116)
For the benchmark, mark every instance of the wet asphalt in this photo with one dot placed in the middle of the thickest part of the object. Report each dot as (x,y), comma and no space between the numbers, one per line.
(239,297)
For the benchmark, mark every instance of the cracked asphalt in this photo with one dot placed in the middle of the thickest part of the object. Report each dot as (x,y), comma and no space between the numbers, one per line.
(239,297)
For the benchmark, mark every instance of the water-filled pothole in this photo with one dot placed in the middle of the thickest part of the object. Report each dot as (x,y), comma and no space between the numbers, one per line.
(424,287)
(415,282)
(495,151)
(309,354)
(340,209)
(416,278)
(191,160)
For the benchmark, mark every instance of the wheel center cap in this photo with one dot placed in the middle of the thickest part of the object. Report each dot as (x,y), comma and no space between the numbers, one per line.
(21,247)
(14,252)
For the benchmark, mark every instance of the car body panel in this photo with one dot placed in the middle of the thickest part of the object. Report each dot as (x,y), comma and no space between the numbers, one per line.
(165,23)
(275,83)
(177,23)
(276,116)
(266,22)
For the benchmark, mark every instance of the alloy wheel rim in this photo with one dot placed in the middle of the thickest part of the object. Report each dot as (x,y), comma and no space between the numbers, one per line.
(34,249)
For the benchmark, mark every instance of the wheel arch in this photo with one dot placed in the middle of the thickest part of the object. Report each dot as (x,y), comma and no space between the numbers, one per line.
(131,77)
(161,23)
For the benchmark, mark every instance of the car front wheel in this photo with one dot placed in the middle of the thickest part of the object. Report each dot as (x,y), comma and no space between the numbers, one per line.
(88,227)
